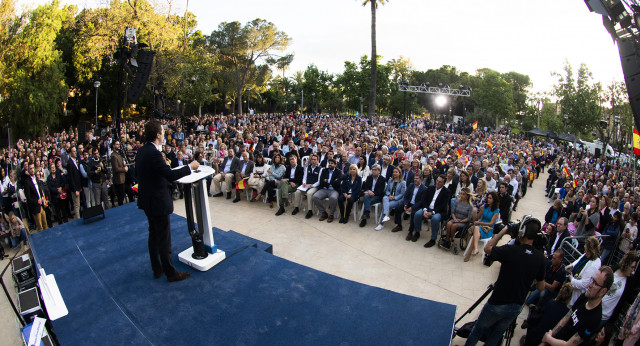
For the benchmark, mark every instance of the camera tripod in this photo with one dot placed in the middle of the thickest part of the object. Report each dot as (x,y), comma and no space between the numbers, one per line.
(465,330)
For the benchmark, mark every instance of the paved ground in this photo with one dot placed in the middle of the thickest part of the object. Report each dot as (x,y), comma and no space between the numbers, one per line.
(381,259)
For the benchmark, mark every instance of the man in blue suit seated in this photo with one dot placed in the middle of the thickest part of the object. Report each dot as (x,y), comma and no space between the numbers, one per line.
(435,203)
(373,188)
(351,187)
(410,203)
(154,197)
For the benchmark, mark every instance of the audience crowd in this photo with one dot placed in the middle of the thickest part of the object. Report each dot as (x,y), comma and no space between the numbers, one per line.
(416,176)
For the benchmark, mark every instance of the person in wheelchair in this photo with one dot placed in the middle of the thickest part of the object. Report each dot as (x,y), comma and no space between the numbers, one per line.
(461,215)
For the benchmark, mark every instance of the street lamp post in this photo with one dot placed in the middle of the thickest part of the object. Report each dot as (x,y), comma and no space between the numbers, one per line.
(178,107)
(313,101)
(615,141)
(248,97)
(294,106)
(361,99)
(286,106)
(96,84)
(566,116)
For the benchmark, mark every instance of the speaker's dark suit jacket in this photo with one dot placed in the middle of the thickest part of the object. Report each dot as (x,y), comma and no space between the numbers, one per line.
(154,179)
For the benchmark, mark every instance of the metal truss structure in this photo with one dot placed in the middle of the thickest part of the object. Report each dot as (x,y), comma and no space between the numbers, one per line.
(427,89)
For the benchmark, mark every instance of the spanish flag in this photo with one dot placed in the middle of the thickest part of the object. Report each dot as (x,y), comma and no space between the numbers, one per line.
(475,125)
(575,183)
(566,171)
(135,188)
(489,144)
(636,141)
(459,151)
(242,184)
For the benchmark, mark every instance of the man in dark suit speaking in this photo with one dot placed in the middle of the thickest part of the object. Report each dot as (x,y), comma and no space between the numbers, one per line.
(154,197)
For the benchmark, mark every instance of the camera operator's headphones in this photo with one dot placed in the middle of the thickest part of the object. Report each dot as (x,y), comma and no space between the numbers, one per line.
(523,225)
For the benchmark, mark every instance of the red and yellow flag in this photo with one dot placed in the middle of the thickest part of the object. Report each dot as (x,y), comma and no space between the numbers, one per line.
(489,144)
(574,183)
(242,184)
(566,171)
(475,125)
(135,188)
(459,151)
(636,141)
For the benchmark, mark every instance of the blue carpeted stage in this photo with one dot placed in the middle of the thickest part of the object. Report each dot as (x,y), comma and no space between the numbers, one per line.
(254,297)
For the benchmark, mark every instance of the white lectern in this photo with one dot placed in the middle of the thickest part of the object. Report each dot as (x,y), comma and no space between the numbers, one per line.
(204,254)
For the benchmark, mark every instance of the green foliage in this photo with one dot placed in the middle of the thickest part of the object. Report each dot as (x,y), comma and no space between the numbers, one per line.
(241,47)
(33,85)
(495,96)
(579,98)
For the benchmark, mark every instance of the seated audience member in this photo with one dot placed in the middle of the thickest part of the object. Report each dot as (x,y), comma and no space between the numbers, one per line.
(554,277)
(560,232)
(309,186)
(555,212)
(483,227)
(373,192)
(461,215)
(330,180)
(351,188)
(393,196)
(274,173)
(258,175)
(582,322)
(243,172)
(386,170)
(228,168)
(433,206)
(411,199)
(624,270)
(629,234)
(584,268)
(553,311)
(612,230)
(363,169)
(291,180)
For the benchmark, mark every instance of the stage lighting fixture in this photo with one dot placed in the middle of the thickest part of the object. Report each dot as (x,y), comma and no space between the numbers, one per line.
(441,100)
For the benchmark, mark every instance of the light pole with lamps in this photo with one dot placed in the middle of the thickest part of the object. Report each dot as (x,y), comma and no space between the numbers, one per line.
(96,85)
(361,99)
(248,97)
(566,116)
(178,107)
(294,106)
(313,101)
(286,106)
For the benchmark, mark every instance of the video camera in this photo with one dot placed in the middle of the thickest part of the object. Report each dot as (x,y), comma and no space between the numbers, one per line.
(517,230)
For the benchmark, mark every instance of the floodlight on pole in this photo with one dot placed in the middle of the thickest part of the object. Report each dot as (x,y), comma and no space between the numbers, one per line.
(96,85)
(441,101)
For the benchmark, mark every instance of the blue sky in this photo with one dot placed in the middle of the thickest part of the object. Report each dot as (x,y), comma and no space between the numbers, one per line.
(530,37)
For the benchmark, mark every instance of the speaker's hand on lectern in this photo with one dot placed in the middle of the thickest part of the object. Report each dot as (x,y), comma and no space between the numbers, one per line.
(194,165)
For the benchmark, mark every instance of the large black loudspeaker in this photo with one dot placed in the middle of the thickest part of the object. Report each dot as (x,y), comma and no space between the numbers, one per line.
(628,49)
(145,61)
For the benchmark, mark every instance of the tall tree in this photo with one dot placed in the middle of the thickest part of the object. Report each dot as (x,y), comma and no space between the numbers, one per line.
(579,98)
(374,55)
(241,47)
(495,95)
(33,82)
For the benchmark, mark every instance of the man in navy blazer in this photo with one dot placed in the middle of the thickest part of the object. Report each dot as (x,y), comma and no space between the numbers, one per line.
(154,197)
(434,206)
(290,181)
(230,165)
(411,202)
(387,168)
(330,187)
(373,191)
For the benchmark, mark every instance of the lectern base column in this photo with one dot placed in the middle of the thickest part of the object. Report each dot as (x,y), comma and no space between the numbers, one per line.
(201,264)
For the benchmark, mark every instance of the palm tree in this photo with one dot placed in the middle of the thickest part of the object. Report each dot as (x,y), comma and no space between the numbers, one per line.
(374,55)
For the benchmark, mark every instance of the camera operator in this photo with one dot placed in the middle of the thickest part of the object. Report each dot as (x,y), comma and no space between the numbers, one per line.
(99,179)
(521,264)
